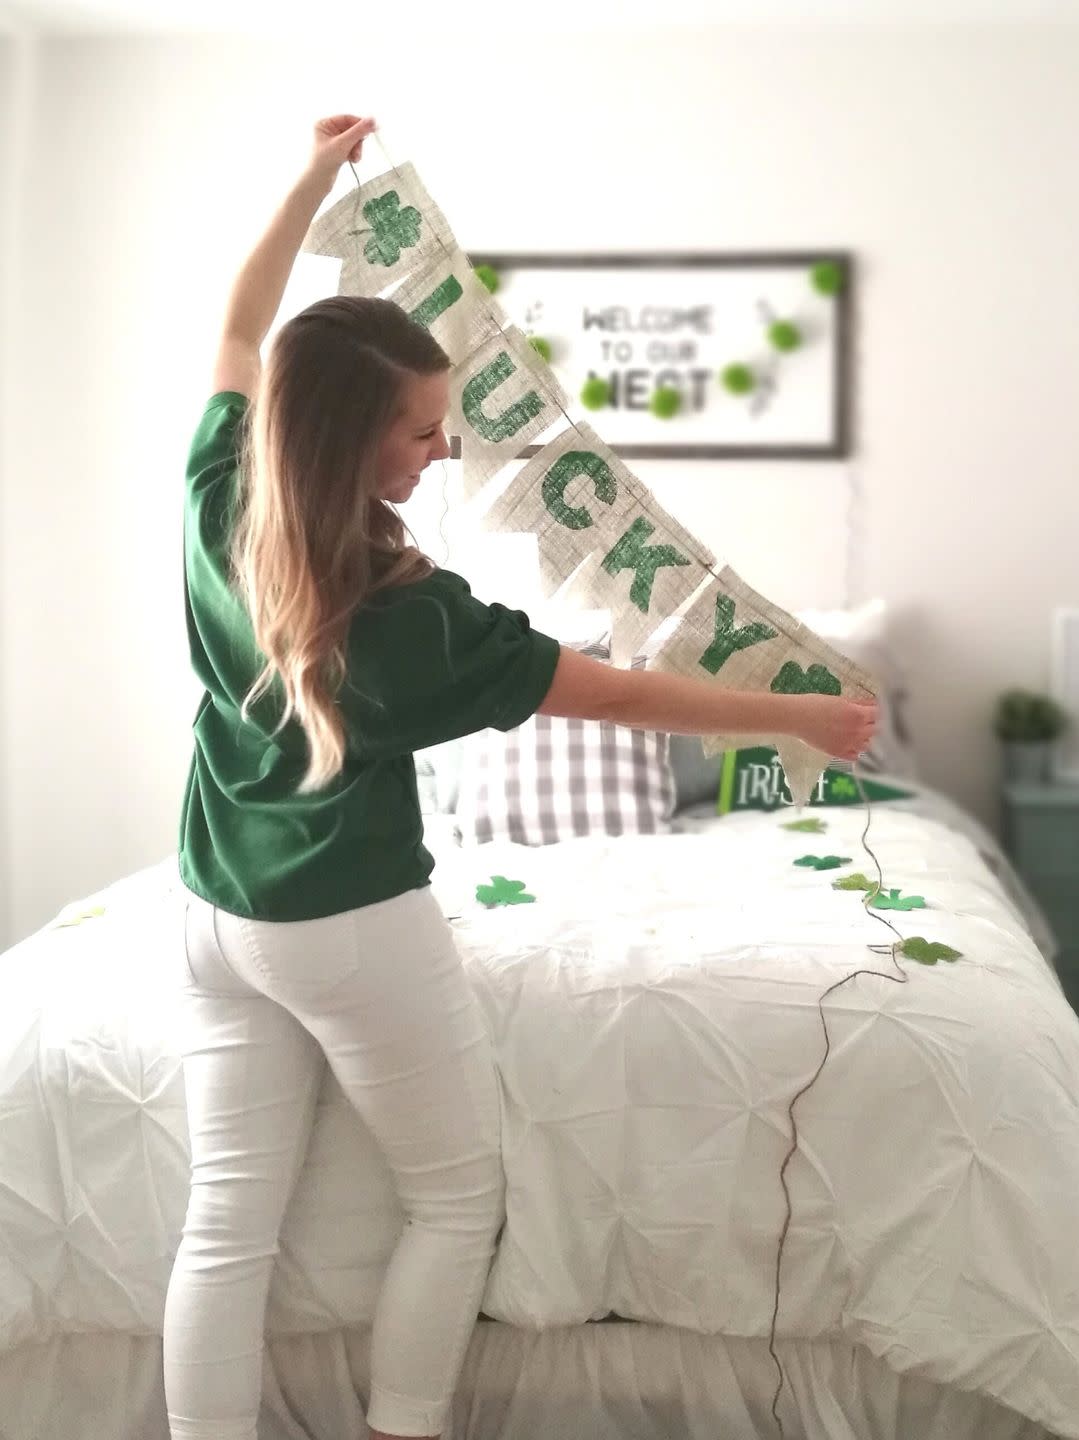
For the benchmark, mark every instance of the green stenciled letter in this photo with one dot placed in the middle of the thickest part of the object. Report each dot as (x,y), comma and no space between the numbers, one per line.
(728,640)
(437,303)
(499,427)
(567,468)
(632,553)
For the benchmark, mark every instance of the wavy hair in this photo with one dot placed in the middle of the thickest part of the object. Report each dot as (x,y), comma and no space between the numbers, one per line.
(313,540)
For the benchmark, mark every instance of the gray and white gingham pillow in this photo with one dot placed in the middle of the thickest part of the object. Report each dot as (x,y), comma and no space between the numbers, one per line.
(553,779)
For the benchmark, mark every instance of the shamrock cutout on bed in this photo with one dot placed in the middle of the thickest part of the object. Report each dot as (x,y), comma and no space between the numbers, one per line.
(806,827)
(823,862)
(896,900)
(80,916)
(503,892)
(928,952)
(854,882)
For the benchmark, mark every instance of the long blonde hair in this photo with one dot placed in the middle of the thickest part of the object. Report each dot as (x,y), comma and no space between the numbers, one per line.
(313,540)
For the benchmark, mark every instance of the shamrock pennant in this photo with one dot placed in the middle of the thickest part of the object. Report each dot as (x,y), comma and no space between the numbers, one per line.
(823,862)
(503,892)
(806,827)
(896,900)
(928,952)
(854,882)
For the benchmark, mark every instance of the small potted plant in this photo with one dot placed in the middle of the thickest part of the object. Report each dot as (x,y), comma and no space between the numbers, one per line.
(1027,724)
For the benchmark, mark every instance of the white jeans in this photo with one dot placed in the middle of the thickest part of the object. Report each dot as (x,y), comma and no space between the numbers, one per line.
(379,992)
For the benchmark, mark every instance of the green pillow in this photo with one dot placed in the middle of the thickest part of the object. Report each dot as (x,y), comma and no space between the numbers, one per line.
(754,780)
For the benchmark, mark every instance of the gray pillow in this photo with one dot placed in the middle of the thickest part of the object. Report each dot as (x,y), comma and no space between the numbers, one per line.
(696,775)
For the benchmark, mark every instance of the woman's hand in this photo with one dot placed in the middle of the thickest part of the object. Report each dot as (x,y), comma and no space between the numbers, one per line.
(841,728)
(337,139)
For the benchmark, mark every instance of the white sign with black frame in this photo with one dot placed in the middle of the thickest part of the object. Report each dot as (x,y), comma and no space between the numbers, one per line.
(754,346)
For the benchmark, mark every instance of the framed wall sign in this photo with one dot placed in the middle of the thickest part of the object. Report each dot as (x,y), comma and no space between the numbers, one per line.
(749,351)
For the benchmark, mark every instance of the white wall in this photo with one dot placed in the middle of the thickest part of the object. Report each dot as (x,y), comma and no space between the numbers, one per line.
(17,65)
(943,159)
(7,164)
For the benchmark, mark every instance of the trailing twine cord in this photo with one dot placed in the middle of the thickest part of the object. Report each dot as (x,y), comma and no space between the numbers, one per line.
(900,978)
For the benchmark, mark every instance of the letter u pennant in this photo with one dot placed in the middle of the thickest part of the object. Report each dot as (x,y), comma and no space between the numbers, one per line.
(595,521)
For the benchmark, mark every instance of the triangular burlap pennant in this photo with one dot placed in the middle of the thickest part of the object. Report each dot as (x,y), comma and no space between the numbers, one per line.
(501,398)
(381,232)
(448,300)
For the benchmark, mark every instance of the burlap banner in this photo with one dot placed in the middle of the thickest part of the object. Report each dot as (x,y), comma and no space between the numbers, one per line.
(584,504)
(595,521)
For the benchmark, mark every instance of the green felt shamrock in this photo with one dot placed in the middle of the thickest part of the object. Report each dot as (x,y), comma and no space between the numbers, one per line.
(823,862)
(854,882)
(806,827)
(393,229)
(541,346)
(928,952)
(793,680)
(896,900)
(503,892)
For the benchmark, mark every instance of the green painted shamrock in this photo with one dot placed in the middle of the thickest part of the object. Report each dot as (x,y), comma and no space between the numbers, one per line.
(394,229)
(896,900)
(817,680)
(823,862)
(503,892)
(928,952)
(806,827)
(854,882)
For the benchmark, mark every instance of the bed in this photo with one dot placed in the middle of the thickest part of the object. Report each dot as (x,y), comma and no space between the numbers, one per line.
(654,1010)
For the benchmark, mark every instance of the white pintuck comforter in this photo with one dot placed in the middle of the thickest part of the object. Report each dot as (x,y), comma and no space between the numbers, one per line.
(653,1014)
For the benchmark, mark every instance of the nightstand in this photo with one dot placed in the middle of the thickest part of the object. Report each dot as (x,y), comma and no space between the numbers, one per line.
(1041,834)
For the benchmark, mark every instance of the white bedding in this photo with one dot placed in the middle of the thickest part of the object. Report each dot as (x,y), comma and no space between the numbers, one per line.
(653,1014)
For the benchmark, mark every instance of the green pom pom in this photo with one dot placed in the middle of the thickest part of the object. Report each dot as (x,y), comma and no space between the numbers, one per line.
(595,393)
(739,379)
(784,335)
(665,402)
(827,277)
(488,275)
(541,346)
